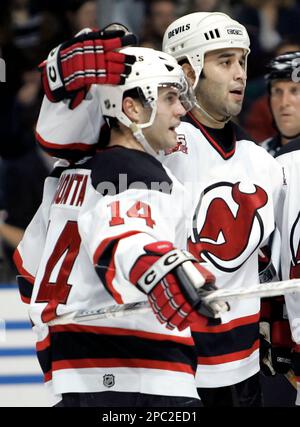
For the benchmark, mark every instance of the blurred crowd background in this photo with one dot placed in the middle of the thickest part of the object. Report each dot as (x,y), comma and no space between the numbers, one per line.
(30,28)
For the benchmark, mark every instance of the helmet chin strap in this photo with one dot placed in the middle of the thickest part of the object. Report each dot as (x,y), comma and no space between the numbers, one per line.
(140,137)
(137,131)
(210,117)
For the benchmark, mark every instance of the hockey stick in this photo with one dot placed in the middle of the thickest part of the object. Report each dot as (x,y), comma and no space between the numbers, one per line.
(260,290)
(290,376)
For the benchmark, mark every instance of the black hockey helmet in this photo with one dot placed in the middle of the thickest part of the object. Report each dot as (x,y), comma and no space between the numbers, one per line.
(283,66)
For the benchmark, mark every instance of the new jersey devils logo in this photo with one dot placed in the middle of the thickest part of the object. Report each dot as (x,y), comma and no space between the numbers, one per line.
(295,249)
(227,226)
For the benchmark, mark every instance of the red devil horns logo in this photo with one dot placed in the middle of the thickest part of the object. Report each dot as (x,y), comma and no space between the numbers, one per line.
(235,229)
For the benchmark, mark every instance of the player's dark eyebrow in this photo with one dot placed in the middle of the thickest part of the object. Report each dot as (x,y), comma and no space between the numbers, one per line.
(223,55)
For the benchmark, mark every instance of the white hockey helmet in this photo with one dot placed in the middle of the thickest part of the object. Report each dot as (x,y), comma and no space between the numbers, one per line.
(193,35)
(152,69)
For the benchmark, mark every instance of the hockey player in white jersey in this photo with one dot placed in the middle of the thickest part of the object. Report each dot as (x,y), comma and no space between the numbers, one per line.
(238,188)
(289,159)
(97,241)
(234,184)
(284,91)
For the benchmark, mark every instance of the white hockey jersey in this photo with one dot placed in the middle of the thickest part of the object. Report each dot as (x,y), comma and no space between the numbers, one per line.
(235,191)
(94,221)
(70,134)
(289,159)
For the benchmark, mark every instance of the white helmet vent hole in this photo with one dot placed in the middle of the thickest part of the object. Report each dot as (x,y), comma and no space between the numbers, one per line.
(169,67)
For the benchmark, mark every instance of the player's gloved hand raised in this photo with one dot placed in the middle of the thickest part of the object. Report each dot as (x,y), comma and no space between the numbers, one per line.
(89,58)
(175,284)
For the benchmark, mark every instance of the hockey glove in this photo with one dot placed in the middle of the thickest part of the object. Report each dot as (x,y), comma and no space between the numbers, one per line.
(267,271)
(275,347)
(88,58)
(175,284)
(265,354)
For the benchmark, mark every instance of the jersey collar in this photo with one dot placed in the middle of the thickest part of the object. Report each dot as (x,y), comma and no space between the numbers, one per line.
(225,152)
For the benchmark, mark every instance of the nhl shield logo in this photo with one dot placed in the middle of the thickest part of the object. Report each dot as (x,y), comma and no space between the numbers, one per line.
(108,380)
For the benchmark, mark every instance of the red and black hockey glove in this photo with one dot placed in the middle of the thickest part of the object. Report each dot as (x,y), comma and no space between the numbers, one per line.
(89,58)
(175,284)
(275,338)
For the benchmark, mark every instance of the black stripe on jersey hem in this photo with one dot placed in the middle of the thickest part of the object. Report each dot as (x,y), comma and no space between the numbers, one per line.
(103,262)
(44,358)
(221,343)
(291,146)
(25,287)
(189,118)
(88,345)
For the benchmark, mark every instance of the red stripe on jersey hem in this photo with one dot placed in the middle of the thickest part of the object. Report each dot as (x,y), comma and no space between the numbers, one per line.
(241,321)
(42,345)
(123,332)
(48,376)
(111,269)
(72,146)
(230,357)
(121,363)
(25,299)
(224,154)
(19,264)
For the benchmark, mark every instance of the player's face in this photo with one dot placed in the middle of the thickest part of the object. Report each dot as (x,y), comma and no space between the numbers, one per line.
(221,91)
(285,105)
(162,134)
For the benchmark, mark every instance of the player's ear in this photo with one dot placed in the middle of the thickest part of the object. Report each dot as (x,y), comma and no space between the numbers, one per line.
(132,108)
(189,73)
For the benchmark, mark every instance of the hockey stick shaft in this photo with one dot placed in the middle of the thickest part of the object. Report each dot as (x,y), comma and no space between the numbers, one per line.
(260,290)
(116,311)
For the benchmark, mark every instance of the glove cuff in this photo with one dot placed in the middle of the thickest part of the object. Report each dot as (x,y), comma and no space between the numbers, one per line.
(161,268)
(53,71)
